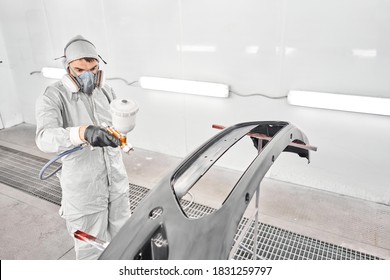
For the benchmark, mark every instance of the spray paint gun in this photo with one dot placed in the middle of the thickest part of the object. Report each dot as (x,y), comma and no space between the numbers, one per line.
(123,121)
(124,145)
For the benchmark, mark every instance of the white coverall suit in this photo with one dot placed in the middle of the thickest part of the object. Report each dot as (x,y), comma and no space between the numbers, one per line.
(95,187)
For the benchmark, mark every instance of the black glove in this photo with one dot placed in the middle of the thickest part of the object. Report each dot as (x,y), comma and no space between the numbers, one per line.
(99,137)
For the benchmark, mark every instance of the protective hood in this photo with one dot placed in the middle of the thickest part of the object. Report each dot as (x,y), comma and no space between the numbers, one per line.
(79,47)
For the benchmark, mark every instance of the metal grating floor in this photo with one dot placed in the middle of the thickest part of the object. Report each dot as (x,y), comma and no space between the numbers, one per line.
(279,244)
(20,170)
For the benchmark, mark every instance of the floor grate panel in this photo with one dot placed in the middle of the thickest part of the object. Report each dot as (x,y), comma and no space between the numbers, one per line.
(20,170)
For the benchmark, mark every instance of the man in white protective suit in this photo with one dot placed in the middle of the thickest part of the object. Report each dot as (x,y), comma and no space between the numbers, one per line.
(94,182)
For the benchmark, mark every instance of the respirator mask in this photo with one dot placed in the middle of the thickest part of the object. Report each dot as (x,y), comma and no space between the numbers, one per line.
(86,82)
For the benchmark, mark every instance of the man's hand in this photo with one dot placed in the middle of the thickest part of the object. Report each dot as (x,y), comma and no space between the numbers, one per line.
(97,136)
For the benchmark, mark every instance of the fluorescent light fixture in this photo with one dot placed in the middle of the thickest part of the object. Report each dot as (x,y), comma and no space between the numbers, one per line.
(342,102)
(285,50)
(252,49)
(53,73)
(364,52)
(289,51)
(184,86)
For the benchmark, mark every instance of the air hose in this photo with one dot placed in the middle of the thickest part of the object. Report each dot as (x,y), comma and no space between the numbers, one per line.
(50,162)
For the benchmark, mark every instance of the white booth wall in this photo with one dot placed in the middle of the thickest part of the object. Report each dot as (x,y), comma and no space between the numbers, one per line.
(10,111)
(254,46)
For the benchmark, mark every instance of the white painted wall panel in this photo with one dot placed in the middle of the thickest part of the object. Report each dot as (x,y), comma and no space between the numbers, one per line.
(338,46)
(142,37)
(10,111)
(237,44)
